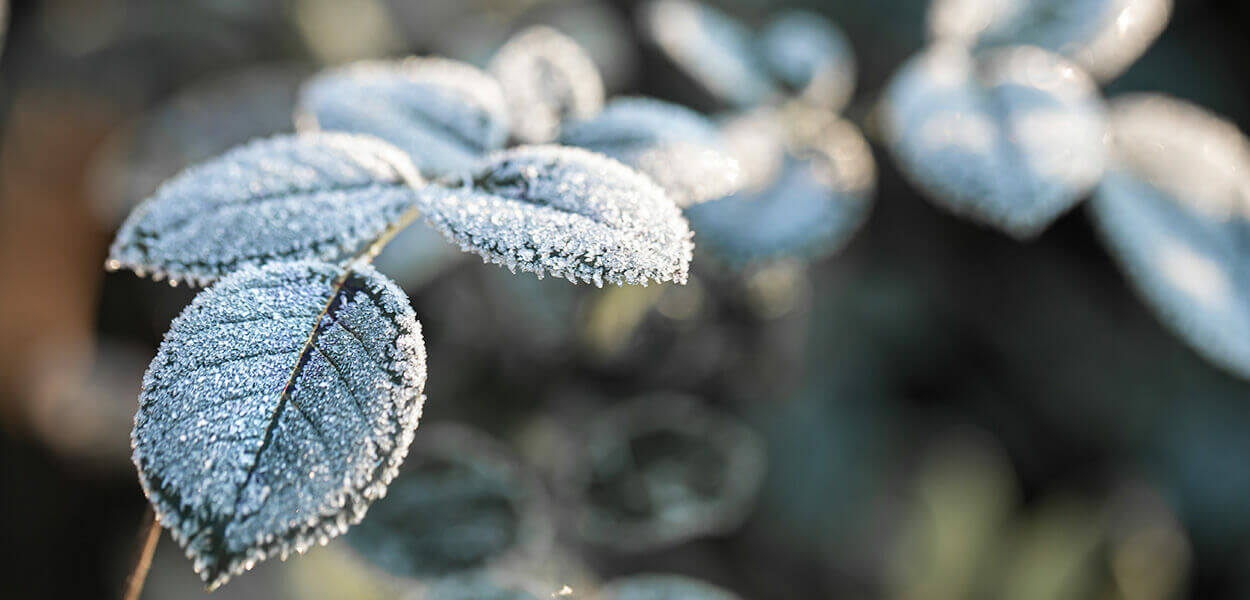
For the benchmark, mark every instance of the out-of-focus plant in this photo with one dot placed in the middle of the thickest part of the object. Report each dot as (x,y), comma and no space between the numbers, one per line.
(661,587)
(283,399)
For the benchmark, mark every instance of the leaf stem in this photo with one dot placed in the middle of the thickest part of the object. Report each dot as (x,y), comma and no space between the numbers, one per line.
(400,224)
(151,533)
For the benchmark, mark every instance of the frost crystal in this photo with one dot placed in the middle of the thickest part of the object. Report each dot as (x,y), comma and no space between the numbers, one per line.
(280,404)
(1102,36)
(678,148)
(460,505)
(444,114)
(315,196)
(1175,210)
(547,78)
(811,55)
(567,212)
(662,587)
(1011,138)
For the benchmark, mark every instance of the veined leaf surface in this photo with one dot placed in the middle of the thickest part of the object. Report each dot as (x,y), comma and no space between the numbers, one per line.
(677,147)
(280,404)
(314,196)
(445,114)
(547,78)
(565,212)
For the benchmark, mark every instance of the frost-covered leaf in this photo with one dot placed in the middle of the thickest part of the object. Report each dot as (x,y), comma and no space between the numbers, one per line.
(662,587)
(678,148)
(444,114)
(809,54)
(565,212)
(1102,36)
(312,196)
(280,404)
(547,78)
(712,48)
(663,470)
(460,505)
(198,123)
(1011,137)
(820,198)
(1174,209)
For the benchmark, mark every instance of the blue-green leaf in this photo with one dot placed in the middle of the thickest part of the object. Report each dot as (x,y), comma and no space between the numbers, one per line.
(809,54)
(280,404)
(678,148)
(565,212)
(662,587)
(444,114)
(1174,210)
(547,78)
(314,196)
(1011,138)
(1102,36)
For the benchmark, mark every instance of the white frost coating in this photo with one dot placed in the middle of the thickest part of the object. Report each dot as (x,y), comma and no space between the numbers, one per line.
(567,212)
(295,197)
(280,404)
(546,78)
(1012,138)
(821,197)
(1102,36)
(662,587)
(1174,210)
(677,147)
(445,114)
(715,50)
(808,53)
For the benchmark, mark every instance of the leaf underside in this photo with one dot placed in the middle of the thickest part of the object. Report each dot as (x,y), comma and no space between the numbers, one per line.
(565,212)
(280,404)
(321,196)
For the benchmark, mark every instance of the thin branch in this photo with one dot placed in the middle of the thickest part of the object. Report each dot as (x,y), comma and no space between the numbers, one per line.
(143,557)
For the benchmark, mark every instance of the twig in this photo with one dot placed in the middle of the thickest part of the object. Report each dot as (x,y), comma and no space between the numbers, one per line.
(143,557)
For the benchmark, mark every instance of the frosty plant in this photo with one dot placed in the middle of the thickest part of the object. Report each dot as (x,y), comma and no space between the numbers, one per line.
(284,398)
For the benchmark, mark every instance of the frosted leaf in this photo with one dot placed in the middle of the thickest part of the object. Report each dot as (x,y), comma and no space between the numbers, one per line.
(1102,36)
(678,148)
(711,47)
(809,54)
(1011,138)
(820,198)
(444,114)
(547,78)
(565,212)
(662,470)
(461,505)
(1174,209)
(314,196)
(757,140)
(662,587)
(279,406)
(198,123)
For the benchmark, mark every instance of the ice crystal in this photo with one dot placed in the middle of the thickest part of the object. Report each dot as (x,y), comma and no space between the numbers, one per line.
(677,147)
(280,404)
(1175,211)
(662,587)
(566,212)
(312,196)
(809,54)
(1011,137)
(547,78)
(714,49)
(1102,36)
(460,505)
(444,114)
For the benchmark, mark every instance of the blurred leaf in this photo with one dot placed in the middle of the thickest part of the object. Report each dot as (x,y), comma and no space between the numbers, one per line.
(1102,36)
(547,78)
(678,148)
(809,54)
(313,196)
(662,587)
(416,255)
(564,212)
(1175,212)
(444,114)
(460,505)
(1011,138)
(239,471)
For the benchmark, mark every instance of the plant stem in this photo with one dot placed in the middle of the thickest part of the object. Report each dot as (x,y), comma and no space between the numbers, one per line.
(151,533)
